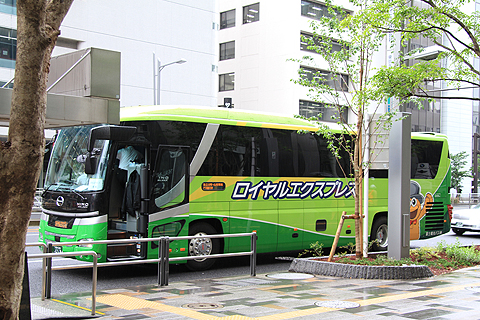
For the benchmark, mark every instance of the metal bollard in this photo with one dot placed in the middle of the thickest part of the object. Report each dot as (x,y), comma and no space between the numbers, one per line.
(162,256)
(253,256)
(164,261)
(48,274)
(160,262)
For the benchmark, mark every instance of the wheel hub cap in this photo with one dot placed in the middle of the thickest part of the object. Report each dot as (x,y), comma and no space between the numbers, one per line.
(200,246)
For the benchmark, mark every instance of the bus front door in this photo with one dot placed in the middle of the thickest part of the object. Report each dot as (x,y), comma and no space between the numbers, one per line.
(171,182)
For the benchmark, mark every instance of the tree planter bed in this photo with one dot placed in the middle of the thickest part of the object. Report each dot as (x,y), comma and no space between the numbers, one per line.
(353,271)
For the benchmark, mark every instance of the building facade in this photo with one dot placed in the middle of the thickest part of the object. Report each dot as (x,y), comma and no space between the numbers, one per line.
(171,30)
(238,54)
(257,41)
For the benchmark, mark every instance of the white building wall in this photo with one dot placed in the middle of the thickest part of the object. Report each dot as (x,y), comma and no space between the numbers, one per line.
(457,116)
(263,72)
(170,29)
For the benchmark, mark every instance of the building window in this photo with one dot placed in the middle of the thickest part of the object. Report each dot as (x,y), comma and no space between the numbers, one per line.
(226,82)
(227,50)
(227,19)
(12,3)
(310,109)
(317,11)
(8,44)
(251,13)
(306,40)
(338,82)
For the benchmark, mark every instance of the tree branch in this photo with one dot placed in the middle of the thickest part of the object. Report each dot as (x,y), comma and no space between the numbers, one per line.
(460,23)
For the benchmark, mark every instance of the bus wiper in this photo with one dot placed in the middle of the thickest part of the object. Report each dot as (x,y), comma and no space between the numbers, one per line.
(48,188)
(78,194)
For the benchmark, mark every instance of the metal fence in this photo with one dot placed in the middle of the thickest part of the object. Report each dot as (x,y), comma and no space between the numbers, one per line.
(163,258)
(466,199)
(37,200)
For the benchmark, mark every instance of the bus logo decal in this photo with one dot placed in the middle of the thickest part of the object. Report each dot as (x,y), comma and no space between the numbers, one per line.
(293,190)
(60,201)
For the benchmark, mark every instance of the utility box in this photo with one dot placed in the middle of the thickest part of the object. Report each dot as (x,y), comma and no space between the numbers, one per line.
(90,72)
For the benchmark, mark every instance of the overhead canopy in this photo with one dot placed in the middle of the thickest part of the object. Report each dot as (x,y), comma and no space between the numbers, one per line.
(64,111)
(83,88)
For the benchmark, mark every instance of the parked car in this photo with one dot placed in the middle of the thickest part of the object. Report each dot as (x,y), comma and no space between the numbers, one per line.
(466,220)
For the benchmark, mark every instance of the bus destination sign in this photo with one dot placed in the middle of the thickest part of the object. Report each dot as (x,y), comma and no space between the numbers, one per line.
(213,186)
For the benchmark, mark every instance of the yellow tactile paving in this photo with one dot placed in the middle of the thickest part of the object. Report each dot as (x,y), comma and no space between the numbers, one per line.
(74,305)
(294,314)
(414,294)
(130,303)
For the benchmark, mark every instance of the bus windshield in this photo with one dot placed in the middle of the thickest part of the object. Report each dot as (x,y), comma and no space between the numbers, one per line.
(66,169)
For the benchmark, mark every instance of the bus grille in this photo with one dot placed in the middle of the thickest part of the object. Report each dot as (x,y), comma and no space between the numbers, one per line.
(435,216)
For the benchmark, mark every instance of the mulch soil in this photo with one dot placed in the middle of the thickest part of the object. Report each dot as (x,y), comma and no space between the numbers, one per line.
(436,270)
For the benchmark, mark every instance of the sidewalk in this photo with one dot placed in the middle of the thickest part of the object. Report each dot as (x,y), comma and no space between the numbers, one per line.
(280,296)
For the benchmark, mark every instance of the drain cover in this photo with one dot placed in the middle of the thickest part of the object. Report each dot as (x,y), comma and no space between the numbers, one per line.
(337,304)
(474,289)
(202,306)
(290,276)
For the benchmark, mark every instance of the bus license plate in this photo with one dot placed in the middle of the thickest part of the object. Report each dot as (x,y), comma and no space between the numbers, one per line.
(61,224)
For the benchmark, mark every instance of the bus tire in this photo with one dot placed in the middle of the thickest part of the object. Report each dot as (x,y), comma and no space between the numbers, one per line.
(202,246)
(379,234)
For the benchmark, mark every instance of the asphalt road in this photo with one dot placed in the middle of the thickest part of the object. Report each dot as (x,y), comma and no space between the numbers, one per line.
(80,280)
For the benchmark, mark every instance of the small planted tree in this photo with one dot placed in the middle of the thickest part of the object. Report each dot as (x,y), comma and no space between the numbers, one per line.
(458,164)
(347,45)
(451,26)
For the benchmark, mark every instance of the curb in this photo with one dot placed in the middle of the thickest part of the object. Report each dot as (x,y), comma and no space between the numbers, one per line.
(352,271)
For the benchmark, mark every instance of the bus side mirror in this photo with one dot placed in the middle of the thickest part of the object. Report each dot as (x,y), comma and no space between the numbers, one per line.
(119,133)
(90,164)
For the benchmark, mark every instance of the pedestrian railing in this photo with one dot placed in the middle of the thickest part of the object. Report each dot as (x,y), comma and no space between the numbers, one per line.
(164,252)
(163,258)
(44,266)
(37,200)
(69,254)
(466,199)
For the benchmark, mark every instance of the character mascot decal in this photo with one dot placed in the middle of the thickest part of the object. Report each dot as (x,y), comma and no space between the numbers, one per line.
(419,205)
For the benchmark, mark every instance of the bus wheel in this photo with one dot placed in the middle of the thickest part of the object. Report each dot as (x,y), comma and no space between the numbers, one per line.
(202,246)
(380,234)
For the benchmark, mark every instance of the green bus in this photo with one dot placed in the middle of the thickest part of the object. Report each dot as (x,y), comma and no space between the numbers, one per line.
(177,171)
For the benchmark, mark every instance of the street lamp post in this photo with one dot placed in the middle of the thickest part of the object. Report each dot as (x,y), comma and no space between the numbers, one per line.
(159,69)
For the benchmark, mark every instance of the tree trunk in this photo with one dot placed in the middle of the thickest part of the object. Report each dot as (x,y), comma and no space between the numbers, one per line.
(38,23)
(358,155)
(358,173)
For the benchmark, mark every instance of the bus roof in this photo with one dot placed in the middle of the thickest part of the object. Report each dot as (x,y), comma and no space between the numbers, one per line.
(238,117)
(429,136)
(203,114)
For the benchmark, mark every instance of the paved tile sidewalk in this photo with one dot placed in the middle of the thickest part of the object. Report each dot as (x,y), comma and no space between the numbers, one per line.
(451,296)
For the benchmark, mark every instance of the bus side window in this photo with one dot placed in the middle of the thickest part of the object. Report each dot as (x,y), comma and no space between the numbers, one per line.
(236,151)
(425,158)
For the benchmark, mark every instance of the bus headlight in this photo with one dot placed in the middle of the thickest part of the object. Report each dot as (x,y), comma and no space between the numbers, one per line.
(85,245)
